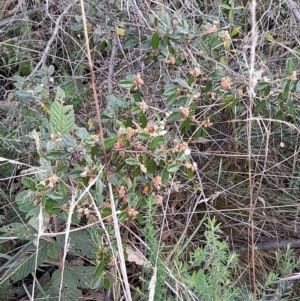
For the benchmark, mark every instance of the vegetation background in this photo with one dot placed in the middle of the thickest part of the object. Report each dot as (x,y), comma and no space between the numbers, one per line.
(149,150)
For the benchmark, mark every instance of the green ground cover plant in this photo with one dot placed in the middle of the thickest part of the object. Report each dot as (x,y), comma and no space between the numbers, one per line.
(149,150)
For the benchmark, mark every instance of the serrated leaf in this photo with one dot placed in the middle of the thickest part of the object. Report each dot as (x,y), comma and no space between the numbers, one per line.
(29,183)
(173,167)
(62,117)
(24,201)
(155,41)
(69,289)
(27,265)
(53,251)
(84,276)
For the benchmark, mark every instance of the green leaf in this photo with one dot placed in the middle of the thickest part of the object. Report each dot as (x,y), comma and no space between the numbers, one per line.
(143,120)
(155,41)
(106,283)
(139,218)
(132,161)
(191,80)
(53,251)
(27,265)
(110,142)
(83,276)
(289,66)
(173,167)
(137,171)
(25,201)
(155,23)
(285,92)
(190,173)
(260,106)
(62,117)
(29,183)
(173,117)
(96,236)
(99,271)
(154,143)
(60,95)
(185,125)
(56,155)
(151,166)
(69,292)
(24,96)
(223,5)
(165,175)
(235,31)
(127,84)
(267,90)
(50,70)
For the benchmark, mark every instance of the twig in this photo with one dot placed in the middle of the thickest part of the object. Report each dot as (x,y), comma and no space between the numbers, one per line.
(111,64)
(21,15)
(55,31)
(127,292)
(252,83)
(294,9)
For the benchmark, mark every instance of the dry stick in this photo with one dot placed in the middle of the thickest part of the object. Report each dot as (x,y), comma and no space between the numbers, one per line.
(111,196)
(252,83)
(21,15)
(55,31)
(111,65)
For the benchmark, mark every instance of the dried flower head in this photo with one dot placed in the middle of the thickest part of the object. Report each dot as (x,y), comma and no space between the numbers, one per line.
(52,181)
(206,123)
(240,92)
(171,60)
(119,144)
(132,212)
(156,182)
(150,128)
(143,106)
(185,111)
(196,72)
(158,199)
(210,30)
(138,81)
(226,83)
(121,191)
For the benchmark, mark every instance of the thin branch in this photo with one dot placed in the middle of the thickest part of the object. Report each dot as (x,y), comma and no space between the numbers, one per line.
(111,196)
(55,31)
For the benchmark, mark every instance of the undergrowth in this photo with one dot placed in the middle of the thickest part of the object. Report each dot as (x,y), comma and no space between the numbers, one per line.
(190,189)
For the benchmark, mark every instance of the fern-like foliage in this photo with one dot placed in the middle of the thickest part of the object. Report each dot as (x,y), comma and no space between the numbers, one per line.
(61,117)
